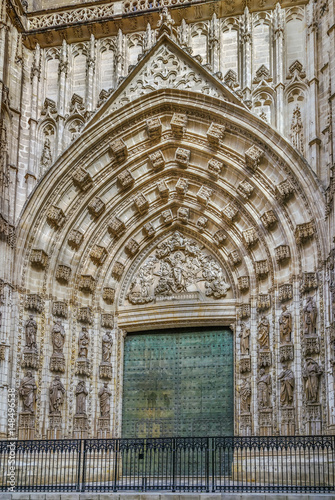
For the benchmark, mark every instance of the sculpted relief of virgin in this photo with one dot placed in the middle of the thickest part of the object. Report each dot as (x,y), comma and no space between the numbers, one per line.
(179,265)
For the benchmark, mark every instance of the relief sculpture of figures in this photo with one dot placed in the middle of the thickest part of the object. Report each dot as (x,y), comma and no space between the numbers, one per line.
(264,389)
(56,395)
(245,339)
(309,317)
(286,386)
(31,329)
(58,338)
(27,392)
(107,344)
(104,395)
(285,326)
(263,333)
(245,396)
(311,374)
(83,342)
(81,394)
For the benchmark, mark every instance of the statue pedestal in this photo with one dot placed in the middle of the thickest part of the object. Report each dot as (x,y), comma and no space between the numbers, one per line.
(30,359)
(265,422)
(287,421)
(245,364)
(106,371)
(313,419)
(311,345)
(104,427)
(245,424)
(57,363)
(26,425)
(264,359)
(83,367)
(80,426)
(55,426)
(286,352)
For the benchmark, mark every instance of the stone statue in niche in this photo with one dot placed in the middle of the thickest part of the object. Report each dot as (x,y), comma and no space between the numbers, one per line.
(245,396)
(264,389)
(285,326)
(107,344)
(245,339)
(56,395)
(309,317)
(263,333)
(31,330)
(57,361)
(83,343)
(104,396)
(311,375)
(286,379)
(81,394)
(27,391)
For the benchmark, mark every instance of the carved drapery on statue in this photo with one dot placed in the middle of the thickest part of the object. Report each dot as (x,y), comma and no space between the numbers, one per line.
(179,265)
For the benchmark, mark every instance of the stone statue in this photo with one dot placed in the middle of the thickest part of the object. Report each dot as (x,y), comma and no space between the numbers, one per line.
(309,317)
(31,329)
(83,342)
(27,392)
(286,386)
(81,394)
(245,342)
(104,395)
(264,389)
(245,396)
(58,338)
(56,395)
(263,333)
(285,326)
(311,374)
(107,343)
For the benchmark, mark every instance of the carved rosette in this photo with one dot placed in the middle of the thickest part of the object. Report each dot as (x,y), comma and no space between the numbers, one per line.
(108,295)
(38,258)
(106,371)
(215,167)
(286,352)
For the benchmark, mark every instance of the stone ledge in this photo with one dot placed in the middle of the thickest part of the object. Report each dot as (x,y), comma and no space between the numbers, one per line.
(163,496)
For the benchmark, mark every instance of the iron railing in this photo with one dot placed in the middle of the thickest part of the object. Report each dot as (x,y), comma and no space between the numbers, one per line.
(229,464)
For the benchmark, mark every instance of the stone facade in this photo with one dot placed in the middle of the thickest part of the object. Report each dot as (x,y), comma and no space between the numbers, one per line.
(132,142)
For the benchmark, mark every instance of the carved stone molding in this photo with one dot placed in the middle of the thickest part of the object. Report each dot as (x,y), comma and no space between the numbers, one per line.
(154,128)
(38,258)
(157,160)
(246,424)
(86,283)
(288,421)
(125,179)
(98,255)
(167,217)
(106,371)
(132,247)
(304,232)
(309,281)
(59,308)
(215,133)
(117,270)
(269,219)
(108,295)
(285,292)
(85,315)
(234,258)
(119,149)
(2,352)
(215,167)
(182,186)
(264,359)
(261,268)
(75,238)
(245,311)
(183,214)
(250,237)
(82,179)
(26,425)
(284,190)
(104,425)
(245,190)
(63,273)
(243,283)
(204,195)
(286,352)
(56,217)
(163,189)
(263,302)
(202,223)
(178,124)
(96,206)
(253,157)
(141,203)
(311,345)
(55,422)
(245,364)
(219,238)
(182,157)
(57,363)
(265,422)
(107,320)
(83,367)
(230,212)
(30,359)
(116,227)
(282,253)
(80,423)
(149,229)
(34,303)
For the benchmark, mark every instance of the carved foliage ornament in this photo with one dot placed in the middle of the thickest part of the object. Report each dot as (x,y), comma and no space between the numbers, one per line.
(179,265)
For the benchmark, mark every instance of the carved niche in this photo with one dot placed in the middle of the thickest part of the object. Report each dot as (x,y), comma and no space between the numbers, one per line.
(182,157)
(309,317)
(253,157)
(178,265)
(30,353)
(215,167)
(215,133)
(38,258)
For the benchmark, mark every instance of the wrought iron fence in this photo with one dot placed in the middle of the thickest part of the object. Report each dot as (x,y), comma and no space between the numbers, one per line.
(235,464)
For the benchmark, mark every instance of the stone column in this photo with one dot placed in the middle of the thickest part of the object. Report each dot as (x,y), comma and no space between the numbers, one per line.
(214,43)
(35,78)
(90,69)
(62,77)
(278,40)
(246,55)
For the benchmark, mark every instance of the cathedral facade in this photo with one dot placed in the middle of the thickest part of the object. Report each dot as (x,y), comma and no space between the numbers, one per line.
(167,193)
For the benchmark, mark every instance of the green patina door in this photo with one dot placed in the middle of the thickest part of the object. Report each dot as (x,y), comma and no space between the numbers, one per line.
(178,383)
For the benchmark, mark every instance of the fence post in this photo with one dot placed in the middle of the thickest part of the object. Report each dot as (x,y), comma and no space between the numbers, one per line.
(117,442)
(213,463)
(207,465)
(174,464)
(83,445)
